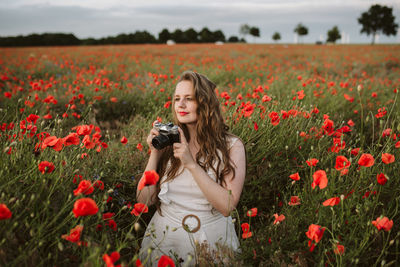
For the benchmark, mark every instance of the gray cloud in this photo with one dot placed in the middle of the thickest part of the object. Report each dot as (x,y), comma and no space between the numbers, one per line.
(100,22)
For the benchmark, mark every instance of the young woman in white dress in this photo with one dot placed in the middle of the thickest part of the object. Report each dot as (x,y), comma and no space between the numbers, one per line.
(201,179)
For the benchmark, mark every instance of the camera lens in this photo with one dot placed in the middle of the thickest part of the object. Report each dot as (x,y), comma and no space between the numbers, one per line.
(160,141)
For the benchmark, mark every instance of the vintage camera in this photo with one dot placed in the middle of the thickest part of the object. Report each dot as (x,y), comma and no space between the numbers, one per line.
(169,134)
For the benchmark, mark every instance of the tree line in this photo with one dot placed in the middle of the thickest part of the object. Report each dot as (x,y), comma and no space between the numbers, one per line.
(139,37)
(378,19)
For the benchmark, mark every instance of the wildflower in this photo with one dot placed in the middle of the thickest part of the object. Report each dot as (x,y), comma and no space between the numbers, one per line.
(315,232)
(294,201)
(84,187)
(338,249)
(295,176)
(366,160)
(167,104)
(387,158)
(331,202)
(341,163)
(149,178)
(139,146)
(320,179)
(355,151)
(246,231)
(46,167)
(113,99)
(5,213)
(252,212)
(85,207)
(139,208)
(312,162)
(71,139)
(381,178)
(278,218)
(109,260)
(74,235)
(124,140)
(383,223)
(165,261)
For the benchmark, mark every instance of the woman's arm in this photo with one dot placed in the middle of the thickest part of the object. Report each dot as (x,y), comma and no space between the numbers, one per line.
(147,194)
(224,199)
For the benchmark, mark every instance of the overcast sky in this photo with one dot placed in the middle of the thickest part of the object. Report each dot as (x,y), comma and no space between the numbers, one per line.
(101,18)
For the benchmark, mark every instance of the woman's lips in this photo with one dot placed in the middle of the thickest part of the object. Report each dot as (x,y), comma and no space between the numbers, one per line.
(183,113)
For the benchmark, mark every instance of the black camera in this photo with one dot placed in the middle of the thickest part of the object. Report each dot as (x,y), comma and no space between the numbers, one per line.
(169,134)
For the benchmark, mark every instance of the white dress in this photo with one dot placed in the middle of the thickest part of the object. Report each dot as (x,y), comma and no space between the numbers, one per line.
(165,234)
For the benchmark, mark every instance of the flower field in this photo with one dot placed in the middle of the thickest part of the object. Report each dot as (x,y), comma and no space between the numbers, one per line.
(321,127)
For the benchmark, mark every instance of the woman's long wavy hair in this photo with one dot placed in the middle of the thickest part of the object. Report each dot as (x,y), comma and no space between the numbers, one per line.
(212,134)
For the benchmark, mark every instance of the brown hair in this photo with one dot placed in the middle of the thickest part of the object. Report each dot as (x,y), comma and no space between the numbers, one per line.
(212,133)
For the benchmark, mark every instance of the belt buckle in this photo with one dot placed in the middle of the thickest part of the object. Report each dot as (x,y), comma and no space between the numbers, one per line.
(186,227)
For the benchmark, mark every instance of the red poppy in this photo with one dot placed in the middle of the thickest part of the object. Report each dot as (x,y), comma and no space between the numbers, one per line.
(341,163)
(294,201)
(255,126)
(99,184)
(397,145)
(315,232)
(88,142)
(338,249)
(320,179)
(85,207)
(312,162)
(149,178)
(266,98)
(167,104)
(252,212)
(381,179)
(246,231)
(112,224)
(74,235)
(278,218)
(108,215)
(331,202)
(295,176)
(138,263)
(139,147)
(32,118)
(124,140)
(387,158)
(139,208)
(5,213)
(351,123)
(84,187)
(366,160)
(355,151)
(165,261)
(383,223)
(46,167)
(109,260)
(83,129)
(71,139)
(114,99)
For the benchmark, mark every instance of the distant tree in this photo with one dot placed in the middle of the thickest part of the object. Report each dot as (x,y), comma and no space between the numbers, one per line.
(378,19)
(218,36)
(233,39)
(255,32)
(244,30)
(177,36)
(276,36)
(206,36)
(164,36)
(190,36)
(301,30)
(333,35)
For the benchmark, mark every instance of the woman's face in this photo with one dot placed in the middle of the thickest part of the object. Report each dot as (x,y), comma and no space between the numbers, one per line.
(185,103)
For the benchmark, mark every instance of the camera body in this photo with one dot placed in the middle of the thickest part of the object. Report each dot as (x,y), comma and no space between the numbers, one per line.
(169,134)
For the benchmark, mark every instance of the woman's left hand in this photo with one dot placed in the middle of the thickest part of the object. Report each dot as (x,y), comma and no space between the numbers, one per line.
(182,151)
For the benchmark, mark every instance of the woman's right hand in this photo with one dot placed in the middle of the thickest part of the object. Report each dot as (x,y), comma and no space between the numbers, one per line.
(153,133)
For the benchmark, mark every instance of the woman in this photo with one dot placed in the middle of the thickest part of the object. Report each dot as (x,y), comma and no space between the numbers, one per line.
(201,181)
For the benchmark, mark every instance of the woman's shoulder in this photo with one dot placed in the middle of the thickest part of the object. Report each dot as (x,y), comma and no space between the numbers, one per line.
(232,140)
